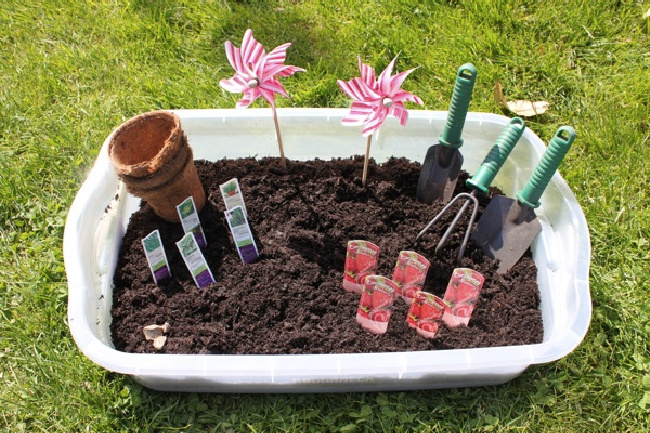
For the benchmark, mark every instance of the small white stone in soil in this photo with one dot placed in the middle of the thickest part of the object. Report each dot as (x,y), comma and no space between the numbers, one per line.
(151,332)
(159,342)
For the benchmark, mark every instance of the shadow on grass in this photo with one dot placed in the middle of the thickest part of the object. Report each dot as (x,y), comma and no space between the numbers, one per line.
(456,408)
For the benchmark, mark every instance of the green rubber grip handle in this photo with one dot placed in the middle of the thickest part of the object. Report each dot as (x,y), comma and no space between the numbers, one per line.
(557,148)
(460,98)
(497,156)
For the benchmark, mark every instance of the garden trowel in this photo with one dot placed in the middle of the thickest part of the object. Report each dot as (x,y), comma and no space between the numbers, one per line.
(508,227)
(442,163)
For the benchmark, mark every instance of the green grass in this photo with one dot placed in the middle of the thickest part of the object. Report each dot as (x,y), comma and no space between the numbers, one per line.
(73,70)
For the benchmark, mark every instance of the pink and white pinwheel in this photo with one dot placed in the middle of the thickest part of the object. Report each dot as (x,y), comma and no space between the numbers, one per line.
(256,72)
(376,98)
(256,75)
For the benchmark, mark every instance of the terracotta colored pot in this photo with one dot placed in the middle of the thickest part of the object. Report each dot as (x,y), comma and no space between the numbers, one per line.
(151,155)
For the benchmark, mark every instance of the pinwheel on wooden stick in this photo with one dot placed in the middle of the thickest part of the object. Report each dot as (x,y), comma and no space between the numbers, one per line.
(374,99)
(256,74)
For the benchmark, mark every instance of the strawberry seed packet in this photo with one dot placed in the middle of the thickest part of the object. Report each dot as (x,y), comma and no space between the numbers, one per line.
(360,261)
(425,313)
(376,304)
(410,272)
(461,296)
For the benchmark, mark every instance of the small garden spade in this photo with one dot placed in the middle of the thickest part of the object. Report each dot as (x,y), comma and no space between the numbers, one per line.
(508,227)
(442,163)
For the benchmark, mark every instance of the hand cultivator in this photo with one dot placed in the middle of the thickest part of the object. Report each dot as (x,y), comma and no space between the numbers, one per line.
(479,183)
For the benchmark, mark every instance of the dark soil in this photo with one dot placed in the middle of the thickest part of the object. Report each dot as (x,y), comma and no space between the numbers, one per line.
(291,300)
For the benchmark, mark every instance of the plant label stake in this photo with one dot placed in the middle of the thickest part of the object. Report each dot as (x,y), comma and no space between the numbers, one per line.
(508,227)
(442,163)
(231,194)
(241,234)
(195,261)
(461,296)
(409,274)
(156,257)
(479,183)
(376,304)
(425,313)
(361,260)
(190,221)
(238,221)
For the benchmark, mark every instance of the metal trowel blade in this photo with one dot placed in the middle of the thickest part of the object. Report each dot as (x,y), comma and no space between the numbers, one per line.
(439,174)
(505,231)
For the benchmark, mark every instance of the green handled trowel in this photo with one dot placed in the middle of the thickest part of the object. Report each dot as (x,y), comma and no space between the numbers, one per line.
(508,227)
(442,163)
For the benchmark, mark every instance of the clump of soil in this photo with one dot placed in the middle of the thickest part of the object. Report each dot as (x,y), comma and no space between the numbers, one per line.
(291,300)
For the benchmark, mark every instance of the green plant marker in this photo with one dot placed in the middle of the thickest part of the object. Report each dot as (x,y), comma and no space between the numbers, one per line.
(195,261)
(241,234)
(190,221)
(156,257)
(231,194)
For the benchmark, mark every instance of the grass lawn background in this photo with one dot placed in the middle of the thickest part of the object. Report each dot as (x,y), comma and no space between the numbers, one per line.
(71,71)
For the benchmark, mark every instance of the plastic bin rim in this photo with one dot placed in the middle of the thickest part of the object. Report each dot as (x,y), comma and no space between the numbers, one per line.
(129,363)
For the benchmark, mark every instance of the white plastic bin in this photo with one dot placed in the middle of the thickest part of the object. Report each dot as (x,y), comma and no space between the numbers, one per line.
(97,221)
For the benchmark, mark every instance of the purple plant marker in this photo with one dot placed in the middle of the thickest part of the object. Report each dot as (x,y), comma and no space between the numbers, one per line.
(195,261)
(241,234)
(156,257)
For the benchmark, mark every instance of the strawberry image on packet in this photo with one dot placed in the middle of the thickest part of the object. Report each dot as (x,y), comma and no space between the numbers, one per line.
(409,274)
(425,313)
(376,304)
(461,296)
(360,261)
